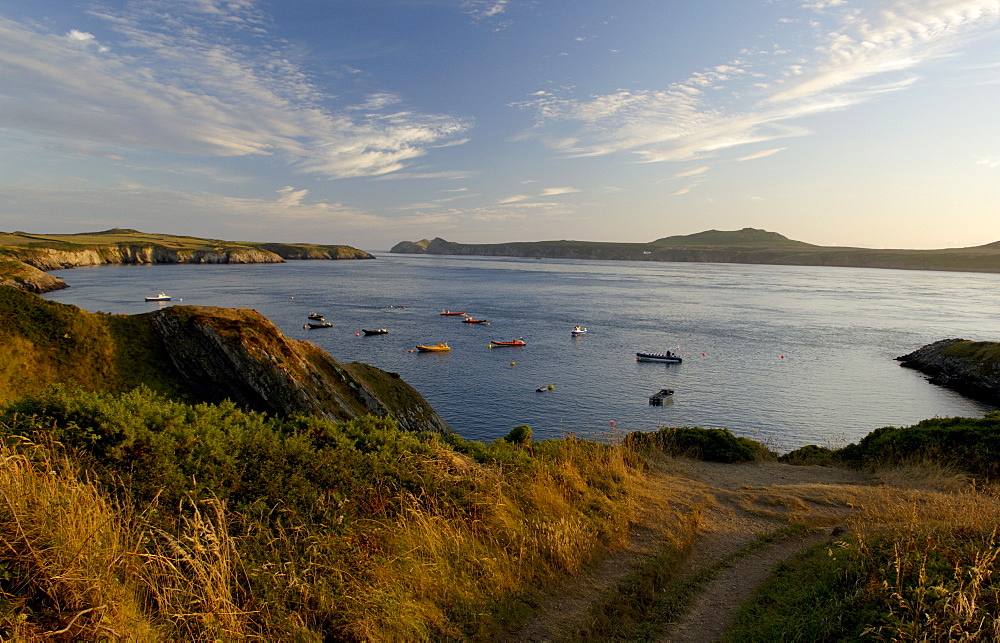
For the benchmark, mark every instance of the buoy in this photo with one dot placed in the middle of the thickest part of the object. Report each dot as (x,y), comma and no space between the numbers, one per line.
(357,334)
(291,297)
(551,387)
(611,422)
(410,351)
(703,354)
(782,357)
(512,363)
(305,327)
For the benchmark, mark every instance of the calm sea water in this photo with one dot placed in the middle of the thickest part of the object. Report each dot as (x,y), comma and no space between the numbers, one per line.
(788,355)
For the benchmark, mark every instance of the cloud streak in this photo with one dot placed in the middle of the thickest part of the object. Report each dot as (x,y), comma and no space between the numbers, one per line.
(861,56)
(174,78)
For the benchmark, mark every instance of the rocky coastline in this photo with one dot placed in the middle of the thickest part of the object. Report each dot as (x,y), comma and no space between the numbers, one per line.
(964,366)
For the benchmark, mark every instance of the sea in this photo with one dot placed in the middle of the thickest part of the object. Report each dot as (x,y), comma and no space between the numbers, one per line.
(787,355)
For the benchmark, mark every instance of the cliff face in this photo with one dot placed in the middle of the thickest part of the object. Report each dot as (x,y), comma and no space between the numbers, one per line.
(16,274)
(969,368)
(199,354)
(240,355)
(56,258)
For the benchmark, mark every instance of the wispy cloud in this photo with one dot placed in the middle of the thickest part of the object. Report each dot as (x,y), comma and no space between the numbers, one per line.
(694,171)
(202,78)
(856,56)
(547,192)
(761,154)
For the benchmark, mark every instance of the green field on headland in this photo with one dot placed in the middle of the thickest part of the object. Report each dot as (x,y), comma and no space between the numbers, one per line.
(142,497)
(748,245)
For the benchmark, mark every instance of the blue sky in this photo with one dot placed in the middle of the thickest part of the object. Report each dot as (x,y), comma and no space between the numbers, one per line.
(368,122)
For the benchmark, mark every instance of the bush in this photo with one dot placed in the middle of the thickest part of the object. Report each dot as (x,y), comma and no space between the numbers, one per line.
(519,435)
(713,445)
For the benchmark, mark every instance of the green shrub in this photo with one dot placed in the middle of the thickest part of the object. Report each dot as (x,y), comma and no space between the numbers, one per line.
(520,434)
(713,445)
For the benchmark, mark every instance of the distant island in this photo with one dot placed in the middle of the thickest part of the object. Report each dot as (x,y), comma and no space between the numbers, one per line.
(749,245)
(24,257)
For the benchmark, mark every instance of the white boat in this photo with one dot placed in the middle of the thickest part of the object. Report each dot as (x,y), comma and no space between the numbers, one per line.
(160,297)
(578,330)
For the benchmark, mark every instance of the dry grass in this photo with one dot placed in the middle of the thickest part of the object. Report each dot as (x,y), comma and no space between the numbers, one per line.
(932,555)
(73,548)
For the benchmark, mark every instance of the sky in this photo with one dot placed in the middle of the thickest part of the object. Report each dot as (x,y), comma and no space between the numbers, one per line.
(368,122)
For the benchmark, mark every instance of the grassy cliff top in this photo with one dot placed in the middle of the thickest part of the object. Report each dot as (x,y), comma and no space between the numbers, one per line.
(130,237)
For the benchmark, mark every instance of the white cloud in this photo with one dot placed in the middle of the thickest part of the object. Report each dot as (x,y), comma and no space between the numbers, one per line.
(557,191)
(189,86)
(694,171)
(761,154)
(863,55)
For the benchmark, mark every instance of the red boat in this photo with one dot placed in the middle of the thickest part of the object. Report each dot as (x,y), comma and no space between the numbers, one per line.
(449,313)
(513,342)
(470,320)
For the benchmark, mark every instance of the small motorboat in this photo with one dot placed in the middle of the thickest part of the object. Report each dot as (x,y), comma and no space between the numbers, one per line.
(449,313)
(160,297)
(513,342)
(656,399)
(437,348)
(316,316)
(470,320)
(377,331)
(319,325)
(578,330)
(668,357)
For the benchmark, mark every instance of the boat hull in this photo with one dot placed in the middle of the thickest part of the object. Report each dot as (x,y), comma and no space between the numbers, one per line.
(440,348)
(657,357)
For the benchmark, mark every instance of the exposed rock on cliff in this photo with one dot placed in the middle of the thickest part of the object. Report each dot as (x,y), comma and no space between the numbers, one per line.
(239,354)
(17,274)
(967,367)
(199,354)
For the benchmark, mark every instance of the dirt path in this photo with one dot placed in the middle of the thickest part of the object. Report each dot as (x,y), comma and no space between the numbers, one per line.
(733,505)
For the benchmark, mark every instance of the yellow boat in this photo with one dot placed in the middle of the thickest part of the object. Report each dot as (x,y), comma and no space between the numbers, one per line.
(433,349)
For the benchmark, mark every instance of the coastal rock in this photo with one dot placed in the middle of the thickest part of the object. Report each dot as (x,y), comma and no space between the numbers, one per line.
(967,367)
(240,355)
(55,259)
(17,274)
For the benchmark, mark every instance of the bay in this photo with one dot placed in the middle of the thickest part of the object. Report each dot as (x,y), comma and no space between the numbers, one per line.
(787,355)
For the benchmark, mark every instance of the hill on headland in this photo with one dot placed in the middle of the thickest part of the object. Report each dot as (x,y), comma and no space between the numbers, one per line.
(749,245)
(126,246)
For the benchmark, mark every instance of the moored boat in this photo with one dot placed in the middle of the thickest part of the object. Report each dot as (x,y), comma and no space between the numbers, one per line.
(319,325)
(160,297)
(513,342)
(578,330)
(470,320)
(668,357)
(437,348)
(449,313)
(316,316)
(377,331)
(656,399)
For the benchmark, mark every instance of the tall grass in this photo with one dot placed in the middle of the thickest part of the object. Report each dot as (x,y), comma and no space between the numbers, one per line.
(234,525)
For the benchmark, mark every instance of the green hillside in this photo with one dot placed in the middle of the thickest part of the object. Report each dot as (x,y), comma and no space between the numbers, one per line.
(744,237)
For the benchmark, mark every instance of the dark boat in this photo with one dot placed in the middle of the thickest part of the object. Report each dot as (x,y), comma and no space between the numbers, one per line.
(470,320)
(656,399)
(316,316)
(377,331)
(319,325)
(659,357)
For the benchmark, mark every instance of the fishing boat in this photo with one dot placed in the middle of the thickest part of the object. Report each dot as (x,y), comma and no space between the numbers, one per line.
(319,325)
(316,316)
(160,297)
(377,331)
(578,330)
(449,313)
(667,357)
(470,320)
(437,348)
(513,342)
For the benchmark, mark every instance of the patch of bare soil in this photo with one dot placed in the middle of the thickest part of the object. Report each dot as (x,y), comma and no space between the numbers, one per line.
(733,505)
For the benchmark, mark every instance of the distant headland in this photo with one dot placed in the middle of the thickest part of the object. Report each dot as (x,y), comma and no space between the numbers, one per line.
(749,245)
(24,256)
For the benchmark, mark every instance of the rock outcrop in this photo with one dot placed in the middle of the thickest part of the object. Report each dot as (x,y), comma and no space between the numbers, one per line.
(197,354)
(240,355)
(967,367)
(17,274)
